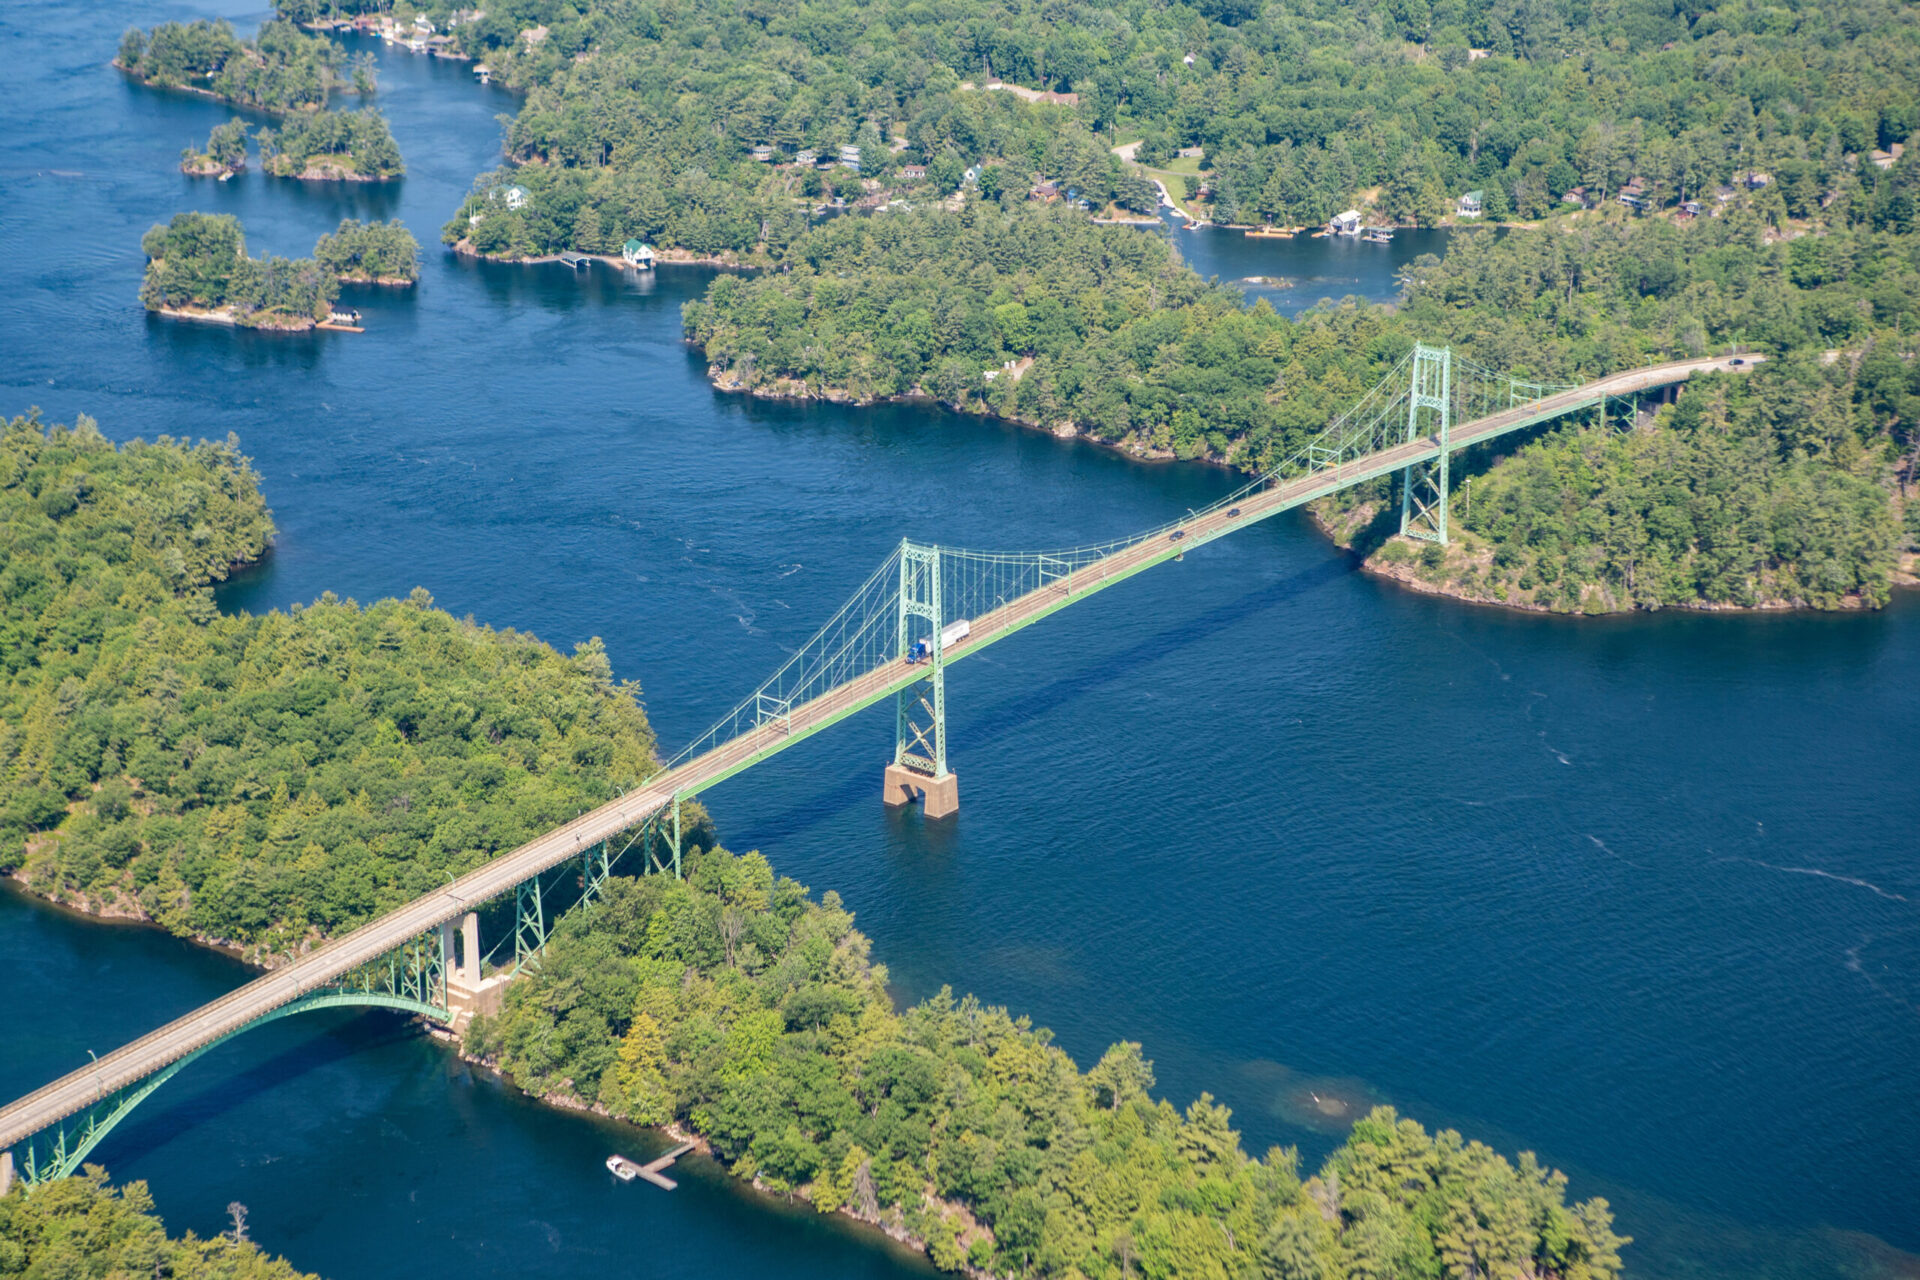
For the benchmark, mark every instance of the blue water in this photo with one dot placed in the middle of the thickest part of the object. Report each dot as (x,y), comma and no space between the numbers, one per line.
(1639,894)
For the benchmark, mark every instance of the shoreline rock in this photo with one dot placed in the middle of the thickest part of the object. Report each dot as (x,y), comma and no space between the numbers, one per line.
(202,166)
(675,257)
(228,316)
(1407,574)
(1065,429)
(329,169)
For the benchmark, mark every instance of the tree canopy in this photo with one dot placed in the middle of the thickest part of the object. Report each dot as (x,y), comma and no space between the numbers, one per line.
(642,120)
(281,69)
(80,1227)
(262,779)
(332,144)
(369,251)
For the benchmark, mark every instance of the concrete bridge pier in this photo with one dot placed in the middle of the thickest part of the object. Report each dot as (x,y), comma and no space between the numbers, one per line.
(941,795)
(467,993)
(6,1172)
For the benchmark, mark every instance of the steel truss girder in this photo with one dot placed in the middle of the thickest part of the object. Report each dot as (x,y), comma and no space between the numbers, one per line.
(529,925)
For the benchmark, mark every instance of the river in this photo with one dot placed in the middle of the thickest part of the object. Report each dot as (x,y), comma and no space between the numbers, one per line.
(1638,894)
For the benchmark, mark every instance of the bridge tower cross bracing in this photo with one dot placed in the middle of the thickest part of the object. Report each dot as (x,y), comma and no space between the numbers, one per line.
(920,709)
(1423,486)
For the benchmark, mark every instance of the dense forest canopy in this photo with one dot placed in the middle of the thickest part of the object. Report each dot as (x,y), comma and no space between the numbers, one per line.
(734,1003)
(259,779)
(369,251)
(641,118)
(281,69)
(350,144)
(80,1227)
(199,261)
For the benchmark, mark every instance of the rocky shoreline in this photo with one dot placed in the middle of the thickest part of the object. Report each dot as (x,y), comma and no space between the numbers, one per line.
(228,316)
(677,257)
(201,166)
(1402,568)
(1065,429)
(330,169)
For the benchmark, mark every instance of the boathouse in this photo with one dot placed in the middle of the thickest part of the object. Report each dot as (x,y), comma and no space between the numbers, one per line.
(1345,224)
(637,255)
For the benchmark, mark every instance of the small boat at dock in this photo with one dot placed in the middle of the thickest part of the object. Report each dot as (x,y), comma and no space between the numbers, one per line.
(1378,235)
(622,1168)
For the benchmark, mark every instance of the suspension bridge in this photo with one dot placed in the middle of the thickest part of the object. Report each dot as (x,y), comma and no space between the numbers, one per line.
(894,639)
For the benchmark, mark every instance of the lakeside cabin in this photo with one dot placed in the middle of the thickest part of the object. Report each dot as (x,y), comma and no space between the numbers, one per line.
(1345,224)
(637,255)
(1470,205)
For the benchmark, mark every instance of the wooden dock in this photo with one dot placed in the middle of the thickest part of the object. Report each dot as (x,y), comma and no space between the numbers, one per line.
(651,1170)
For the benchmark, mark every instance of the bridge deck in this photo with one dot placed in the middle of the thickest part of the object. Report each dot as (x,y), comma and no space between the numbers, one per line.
(139,1059)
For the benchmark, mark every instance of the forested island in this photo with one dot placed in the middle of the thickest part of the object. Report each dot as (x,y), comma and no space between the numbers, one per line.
(198,268)
(369,253)
(82,1227)
(270,781)
(282,69)
(225,155)
(1040,317)
(336,146)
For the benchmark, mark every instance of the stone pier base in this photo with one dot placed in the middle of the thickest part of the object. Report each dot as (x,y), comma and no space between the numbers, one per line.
(6,1172)
(941,795)
(465,1002)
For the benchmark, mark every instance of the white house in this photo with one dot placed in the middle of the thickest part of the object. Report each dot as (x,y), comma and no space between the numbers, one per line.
(1346,224)
(516,197)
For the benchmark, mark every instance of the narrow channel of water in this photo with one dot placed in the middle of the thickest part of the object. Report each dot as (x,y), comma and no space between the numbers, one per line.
(1638,894)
